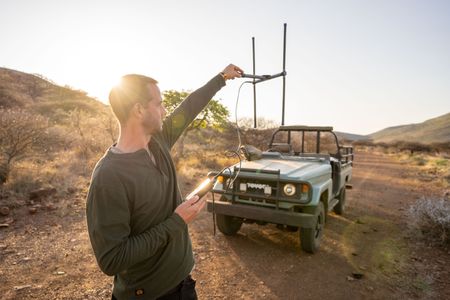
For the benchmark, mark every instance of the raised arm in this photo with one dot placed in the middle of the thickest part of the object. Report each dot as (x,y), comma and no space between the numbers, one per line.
(187,111)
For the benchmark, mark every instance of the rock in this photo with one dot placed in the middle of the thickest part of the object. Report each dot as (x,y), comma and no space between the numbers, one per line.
(8,221)
(59,273)
(4,225)
(357,275)
(350,278)
(4,210)
(21,287)
(50,206)
(32,210)
(41,193)
(3,246)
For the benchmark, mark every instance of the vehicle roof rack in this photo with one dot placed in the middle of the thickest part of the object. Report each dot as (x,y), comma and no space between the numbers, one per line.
(306,128)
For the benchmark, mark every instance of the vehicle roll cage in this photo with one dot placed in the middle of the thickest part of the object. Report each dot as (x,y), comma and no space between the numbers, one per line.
(344,153)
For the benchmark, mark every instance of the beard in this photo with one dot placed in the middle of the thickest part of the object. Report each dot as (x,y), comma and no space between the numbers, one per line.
(152,125)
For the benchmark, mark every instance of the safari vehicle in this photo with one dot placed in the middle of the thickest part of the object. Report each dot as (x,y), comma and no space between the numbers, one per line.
(300,178)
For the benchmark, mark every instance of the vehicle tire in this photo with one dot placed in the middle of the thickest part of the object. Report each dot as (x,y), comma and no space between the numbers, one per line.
(310,237)
(339,208)
(228,225)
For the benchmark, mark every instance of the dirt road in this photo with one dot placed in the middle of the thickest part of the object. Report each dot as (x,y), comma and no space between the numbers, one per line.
(48,256)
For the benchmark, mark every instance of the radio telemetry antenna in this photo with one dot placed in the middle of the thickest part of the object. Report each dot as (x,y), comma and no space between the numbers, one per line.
(260,78)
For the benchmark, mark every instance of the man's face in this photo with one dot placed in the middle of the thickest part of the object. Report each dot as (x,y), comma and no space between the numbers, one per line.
(154,111)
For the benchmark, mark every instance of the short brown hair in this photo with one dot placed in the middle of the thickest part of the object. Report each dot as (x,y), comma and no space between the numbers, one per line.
(131,90)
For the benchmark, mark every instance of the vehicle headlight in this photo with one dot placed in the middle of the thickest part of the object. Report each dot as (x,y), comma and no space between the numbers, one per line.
(289,189)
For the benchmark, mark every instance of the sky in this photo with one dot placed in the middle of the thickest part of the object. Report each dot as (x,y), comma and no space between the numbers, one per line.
(357,65)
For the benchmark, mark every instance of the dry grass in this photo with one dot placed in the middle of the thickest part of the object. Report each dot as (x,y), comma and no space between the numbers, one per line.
(430,168)
(433,168)
(62,172)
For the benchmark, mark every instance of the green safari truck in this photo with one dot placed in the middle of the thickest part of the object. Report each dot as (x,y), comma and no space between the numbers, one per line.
(300,178)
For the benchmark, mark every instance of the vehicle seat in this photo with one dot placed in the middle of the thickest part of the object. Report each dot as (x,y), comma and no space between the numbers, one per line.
(282,148)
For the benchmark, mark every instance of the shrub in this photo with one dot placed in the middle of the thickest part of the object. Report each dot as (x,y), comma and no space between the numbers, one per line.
(431,216)
(420,160)
(441,162)
(21,133)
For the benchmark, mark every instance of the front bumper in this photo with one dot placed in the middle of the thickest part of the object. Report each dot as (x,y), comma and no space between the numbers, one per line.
(265,214)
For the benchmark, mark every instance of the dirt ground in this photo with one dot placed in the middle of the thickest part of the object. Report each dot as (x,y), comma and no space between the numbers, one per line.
(47,255)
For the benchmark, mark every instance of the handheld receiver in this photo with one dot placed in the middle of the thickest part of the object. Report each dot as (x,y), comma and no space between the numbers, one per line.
(202,189)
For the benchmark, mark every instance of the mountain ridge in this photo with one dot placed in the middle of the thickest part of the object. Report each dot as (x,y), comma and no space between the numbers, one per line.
(433,130)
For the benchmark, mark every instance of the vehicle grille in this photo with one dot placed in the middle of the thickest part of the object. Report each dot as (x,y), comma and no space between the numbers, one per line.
(256,187)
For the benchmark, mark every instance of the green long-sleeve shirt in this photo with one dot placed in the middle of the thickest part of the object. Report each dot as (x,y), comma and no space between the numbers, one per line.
(134,232)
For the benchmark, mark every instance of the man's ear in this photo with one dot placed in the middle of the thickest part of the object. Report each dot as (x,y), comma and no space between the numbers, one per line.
(137,110)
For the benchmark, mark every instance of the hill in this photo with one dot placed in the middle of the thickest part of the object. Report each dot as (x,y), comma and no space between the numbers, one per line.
(430,131)
(35,92)
(350,136)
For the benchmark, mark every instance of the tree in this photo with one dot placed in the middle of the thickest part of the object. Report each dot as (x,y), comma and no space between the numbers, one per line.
(20,133)
(110,125)
(89,137)
(261,122)
(214,115)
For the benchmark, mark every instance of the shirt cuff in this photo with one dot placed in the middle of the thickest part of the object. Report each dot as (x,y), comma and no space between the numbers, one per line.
(178,220)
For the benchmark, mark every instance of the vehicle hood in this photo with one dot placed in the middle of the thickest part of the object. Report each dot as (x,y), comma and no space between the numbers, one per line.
(290,169)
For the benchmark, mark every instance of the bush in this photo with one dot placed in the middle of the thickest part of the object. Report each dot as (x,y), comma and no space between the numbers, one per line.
(441,162)
(21,134)
(431,216)
(420,160)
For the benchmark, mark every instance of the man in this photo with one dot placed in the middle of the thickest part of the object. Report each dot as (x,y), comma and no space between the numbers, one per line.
(136,217)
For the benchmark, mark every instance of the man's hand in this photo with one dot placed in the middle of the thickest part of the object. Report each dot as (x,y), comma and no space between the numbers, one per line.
(231,72)
(189,209)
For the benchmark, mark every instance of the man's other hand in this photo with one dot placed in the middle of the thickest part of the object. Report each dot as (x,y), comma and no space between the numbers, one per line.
(231,72)
(189,209)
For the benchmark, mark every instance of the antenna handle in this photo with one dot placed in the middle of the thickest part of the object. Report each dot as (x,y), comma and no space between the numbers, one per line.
(243,75)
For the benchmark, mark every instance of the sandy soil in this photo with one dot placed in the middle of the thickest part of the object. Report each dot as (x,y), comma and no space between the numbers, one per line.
(47,255)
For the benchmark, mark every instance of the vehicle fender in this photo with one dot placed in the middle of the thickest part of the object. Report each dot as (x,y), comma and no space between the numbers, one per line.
(318,189)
